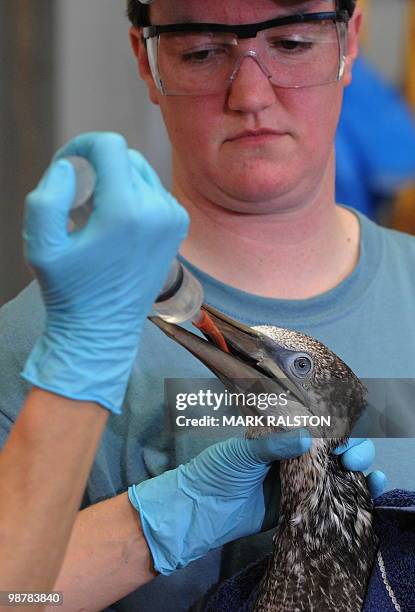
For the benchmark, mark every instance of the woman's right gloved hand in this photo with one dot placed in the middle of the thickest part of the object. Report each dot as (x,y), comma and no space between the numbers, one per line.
(222,494)
(98,284)
(213,499)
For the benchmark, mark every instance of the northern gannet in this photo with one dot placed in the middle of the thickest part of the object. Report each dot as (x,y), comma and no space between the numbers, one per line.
(324,545)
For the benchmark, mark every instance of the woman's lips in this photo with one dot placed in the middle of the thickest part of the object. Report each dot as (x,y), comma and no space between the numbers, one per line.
(255,136)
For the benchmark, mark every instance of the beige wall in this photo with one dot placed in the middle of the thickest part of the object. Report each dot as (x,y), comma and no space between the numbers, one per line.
(386,35)
(97,83)
(27,121)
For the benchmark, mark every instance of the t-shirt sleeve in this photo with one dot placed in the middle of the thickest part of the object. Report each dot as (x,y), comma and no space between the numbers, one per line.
(21,323)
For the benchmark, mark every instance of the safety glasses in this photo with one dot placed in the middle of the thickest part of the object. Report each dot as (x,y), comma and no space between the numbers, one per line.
(293,51)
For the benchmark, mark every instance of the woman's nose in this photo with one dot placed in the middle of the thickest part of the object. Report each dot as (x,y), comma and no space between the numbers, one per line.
(251,89)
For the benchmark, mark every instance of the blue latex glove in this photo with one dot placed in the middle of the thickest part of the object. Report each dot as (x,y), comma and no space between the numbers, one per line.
(98,284)
(215,498)
(357,455)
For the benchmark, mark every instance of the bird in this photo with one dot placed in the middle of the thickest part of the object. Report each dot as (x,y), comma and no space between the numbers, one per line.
(324,546)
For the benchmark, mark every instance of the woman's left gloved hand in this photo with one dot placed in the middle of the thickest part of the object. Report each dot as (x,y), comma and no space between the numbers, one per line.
(219,496)
(98,284)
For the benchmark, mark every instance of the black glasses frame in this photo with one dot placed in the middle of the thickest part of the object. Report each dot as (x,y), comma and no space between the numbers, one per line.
(248,30)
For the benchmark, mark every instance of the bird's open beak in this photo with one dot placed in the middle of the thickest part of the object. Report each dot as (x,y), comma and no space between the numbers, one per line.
(247,367)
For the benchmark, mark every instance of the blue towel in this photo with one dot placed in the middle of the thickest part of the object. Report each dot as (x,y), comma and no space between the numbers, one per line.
(395,527)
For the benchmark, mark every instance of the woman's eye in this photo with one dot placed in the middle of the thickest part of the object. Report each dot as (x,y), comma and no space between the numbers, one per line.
(302,366)
(202,55)
(293,45)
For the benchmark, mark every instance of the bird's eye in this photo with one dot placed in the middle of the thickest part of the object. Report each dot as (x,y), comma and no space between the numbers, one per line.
(302,366)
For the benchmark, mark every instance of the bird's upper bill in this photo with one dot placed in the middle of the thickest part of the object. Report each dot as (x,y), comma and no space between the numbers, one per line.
(274,360)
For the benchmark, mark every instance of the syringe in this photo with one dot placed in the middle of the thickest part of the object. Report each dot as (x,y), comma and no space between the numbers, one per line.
(182,295)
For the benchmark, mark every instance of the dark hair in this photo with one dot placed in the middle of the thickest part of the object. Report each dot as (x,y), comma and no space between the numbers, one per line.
(138,13)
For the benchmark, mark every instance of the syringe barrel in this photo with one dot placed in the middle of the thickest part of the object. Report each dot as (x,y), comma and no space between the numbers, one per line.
(185,298)
(182,295)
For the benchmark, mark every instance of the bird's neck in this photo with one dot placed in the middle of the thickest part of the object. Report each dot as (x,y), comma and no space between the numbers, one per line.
(321,502)
(316,492)
(324,546)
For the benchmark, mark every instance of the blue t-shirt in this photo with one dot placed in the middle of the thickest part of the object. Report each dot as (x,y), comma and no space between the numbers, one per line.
(368,320)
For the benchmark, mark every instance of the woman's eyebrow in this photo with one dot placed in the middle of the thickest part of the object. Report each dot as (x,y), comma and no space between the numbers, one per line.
(289,7)
(302,6)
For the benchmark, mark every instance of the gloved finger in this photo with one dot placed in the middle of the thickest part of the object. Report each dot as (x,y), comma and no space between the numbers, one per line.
(141,169)
(351,442)
(377,483)
(161,210)
(46,212)
(358,456)
(284,445)
(108,154)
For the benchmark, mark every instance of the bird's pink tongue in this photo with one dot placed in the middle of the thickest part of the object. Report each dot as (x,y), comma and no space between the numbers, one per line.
(207,326)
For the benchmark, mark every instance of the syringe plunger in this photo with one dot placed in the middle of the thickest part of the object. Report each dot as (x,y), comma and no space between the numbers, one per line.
(182,294)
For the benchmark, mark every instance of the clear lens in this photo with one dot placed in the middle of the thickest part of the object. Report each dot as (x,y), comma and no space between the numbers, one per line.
(185,61)
(298,55)
(303,55)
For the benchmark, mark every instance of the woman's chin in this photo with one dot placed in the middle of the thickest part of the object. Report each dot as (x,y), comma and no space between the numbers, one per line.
(263,192)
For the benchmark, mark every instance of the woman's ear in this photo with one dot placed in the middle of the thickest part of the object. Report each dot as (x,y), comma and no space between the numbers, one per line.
(140,52)
(352,45)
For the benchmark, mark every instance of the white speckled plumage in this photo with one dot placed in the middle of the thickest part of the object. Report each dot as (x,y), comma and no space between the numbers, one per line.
(324,546)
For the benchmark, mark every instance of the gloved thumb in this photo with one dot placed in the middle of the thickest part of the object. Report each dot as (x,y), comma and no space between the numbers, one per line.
(281,445)
(47,211)
(377,483)
(142,170)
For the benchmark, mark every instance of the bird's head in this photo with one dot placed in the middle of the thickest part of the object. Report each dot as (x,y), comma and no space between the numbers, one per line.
(273,360)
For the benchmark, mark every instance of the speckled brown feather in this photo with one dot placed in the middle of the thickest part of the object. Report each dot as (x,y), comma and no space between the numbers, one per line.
(324,546)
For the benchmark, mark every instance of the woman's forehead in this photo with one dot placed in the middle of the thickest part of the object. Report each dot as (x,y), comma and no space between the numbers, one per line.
(231,11)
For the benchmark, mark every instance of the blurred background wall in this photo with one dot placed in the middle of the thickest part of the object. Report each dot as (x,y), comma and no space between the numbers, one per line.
(66,67)
(28,118)
(385,36)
